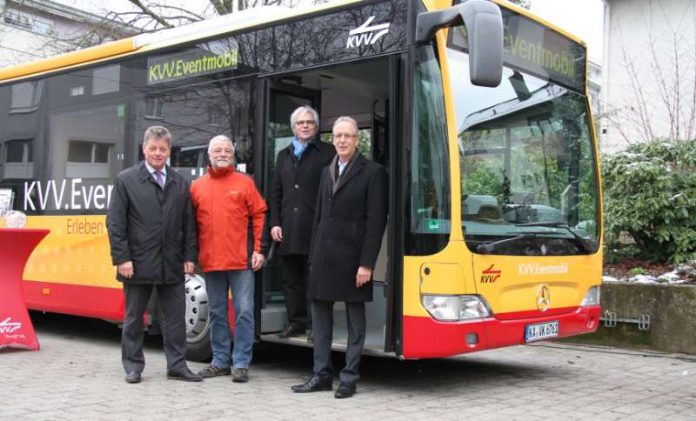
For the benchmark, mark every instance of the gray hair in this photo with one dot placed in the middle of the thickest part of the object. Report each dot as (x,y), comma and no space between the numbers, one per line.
(346,119)
(300,110)
(157,132)
(220,139)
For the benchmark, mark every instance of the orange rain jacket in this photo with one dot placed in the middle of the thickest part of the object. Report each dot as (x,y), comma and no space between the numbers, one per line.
(225,200)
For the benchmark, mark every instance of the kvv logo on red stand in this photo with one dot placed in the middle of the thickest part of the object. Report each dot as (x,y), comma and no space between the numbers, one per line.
(7,326)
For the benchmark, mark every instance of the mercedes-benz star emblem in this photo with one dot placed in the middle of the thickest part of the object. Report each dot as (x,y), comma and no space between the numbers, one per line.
(543,298)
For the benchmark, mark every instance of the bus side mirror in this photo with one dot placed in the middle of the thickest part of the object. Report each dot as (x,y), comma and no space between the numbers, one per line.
(484,26)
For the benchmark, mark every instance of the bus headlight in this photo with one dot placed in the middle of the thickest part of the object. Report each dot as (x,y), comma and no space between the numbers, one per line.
(455,307)
(592,298)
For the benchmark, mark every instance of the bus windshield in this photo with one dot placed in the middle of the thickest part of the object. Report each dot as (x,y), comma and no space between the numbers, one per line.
(529,182)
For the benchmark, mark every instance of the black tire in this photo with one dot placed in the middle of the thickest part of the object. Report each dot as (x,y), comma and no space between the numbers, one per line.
(199,351)
(197,320)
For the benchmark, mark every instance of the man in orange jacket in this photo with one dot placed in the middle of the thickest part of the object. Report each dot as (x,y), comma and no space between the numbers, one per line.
(225,201)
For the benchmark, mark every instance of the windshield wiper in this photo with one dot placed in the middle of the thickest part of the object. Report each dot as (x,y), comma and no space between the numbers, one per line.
(584,244)
(490,247)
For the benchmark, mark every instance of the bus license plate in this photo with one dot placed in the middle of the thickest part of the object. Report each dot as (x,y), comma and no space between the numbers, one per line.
(541,331)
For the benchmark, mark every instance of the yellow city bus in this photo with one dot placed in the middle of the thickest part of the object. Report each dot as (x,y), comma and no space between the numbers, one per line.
(478,110)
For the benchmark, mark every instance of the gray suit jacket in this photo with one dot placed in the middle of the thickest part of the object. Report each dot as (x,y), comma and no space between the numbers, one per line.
(152,227)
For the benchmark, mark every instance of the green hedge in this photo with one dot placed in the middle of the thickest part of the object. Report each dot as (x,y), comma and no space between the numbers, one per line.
(650,195)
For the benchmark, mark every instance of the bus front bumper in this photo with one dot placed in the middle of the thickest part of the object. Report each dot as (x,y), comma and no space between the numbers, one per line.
(425,337)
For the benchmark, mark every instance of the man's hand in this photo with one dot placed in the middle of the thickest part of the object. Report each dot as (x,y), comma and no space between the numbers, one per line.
(257,261)
(189,267)
(125,269)
(363,276)
(277,234)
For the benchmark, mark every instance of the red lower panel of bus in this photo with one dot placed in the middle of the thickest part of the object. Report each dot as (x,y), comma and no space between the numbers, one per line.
(84,301)
(78,300)
(425,337)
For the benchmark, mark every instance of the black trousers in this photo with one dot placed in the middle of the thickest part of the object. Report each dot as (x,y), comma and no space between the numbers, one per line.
(171,300)
(322,314)
(295,290)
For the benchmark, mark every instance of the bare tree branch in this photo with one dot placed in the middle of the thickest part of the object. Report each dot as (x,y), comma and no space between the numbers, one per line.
(150,13)
(661,79)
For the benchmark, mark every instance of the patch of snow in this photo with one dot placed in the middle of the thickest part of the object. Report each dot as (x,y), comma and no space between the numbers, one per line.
(607,278)
(643,279)
(670,277)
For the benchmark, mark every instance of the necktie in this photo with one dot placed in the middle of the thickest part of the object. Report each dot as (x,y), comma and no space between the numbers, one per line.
(160,178)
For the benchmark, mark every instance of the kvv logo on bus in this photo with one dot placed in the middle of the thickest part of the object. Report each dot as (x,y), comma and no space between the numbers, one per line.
(366,34)
(66,194)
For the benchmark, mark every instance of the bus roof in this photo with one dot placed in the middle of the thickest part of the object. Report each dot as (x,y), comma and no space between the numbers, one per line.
(201,30)
(161,39)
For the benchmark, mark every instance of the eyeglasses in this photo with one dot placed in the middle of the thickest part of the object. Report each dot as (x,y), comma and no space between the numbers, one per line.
(305,122)
(344,136)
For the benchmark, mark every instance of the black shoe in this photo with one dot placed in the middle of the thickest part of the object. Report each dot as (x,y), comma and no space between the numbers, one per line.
(314,384)
(133,377)
(185,375)
(214,371)
(240,375)
(291,330)
(345,390)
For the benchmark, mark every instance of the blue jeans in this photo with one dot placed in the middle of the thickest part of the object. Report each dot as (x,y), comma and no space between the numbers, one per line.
(218,285)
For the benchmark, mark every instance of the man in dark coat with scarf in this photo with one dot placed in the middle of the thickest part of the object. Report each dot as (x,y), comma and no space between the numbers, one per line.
(152,232)
(349,223)
(293,199)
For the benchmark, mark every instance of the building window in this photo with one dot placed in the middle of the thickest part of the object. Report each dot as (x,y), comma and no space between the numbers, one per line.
(80,151)
(14,151)
(18,159)
(154,107)
(215,115)
(88,159)
(19,19)
(25,96)
(77,91)
(42,26)
(28,21)
(106,79)
(101,153)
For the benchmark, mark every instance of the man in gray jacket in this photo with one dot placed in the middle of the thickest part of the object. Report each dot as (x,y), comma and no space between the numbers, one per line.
(152,232)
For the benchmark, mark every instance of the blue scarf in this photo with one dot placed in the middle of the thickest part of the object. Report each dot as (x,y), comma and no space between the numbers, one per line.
(299,147)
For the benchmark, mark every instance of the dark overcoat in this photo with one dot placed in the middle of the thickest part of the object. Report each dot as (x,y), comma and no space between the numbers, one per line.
(153,228)
(294,194)
(348,229)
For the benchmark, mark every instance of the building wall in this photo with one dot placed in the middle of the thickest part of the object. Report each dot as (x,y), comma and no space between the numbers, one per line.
(31,30)
(650,70)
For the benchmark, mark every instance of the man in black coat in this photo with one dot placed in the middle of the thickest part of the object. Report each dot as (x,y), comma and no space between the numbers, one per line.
(152,232)
(293,199)
(347,233)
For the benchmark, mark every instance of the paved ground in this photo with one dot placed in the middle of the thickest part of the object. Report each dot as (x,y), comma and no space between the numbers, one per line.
(77,375)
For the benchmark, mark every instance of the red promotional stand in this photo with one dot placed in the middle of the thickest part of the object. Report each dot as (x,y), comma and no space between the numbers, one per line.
(16,329)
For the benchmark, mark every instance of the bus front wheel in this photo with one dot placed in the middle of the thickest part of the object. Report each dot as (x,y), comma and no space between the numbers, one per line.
(197,320)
